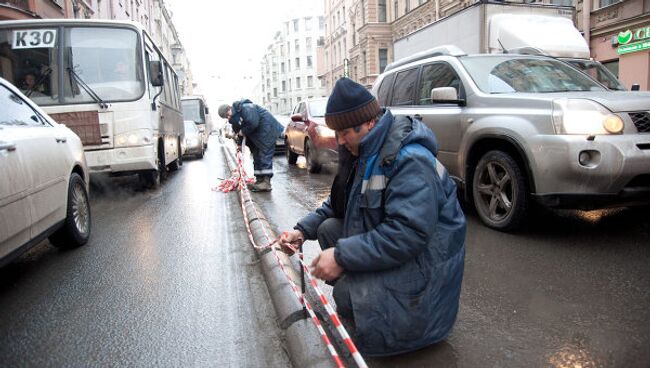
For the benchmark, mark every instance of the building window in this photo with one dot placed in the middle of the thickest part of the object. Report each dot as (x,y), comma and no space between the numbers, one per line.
(282,67)
(407,6)
(289,65)
(308,44)
(295,25)
(321,23)
(383,59)
(396,9)
(297,82)
(310,81)
(363,11)
(275,91)
(604,3)
(297,46)
(284,86)
(381,11)
(308,24)
(309,64)
(297,63)
(562,2)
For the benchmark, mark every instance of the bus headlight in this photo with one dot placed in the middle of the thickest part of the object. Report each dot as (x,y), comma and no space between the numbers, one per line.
(325,132)
(581,116)
(137,137)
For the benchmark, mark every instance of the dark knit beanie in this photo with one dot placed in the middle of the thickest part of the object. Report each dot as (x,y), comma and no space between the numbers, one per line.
(223,110)
(349,105)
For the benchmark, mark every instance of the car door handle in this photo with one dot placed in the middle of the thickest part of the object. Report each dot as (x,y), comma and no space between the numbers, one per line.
(61,140)
(7,146)
(418,116)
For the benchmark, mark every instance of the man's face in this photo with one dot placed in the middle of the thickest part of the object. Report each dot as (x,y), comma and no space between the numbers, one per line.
(351,139)
(228,114)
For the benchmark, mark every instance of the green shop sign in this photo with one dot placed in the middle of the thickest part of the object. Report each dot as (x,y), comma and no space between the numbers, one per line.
(632,41)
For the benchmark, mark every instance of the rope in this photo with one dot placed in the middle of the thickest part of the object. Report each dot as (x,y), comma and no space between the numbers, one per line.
(238,180)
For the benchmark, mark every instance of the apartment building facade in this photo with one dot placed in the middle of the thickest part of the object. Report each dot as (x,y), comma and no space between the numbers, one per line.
(288,68)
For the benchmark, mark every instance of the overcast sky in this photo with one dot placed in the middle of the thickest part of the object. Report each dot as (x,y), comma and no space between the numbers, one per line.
(225,40)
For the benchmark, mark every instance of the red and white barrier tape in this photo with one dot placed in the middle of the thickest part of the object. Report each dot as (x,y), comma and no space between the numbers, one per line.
(231,184)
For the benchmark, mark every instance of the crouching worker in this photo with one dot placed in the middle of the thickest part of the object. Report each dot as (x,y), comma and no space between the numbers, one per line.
(392,231)
(261,130)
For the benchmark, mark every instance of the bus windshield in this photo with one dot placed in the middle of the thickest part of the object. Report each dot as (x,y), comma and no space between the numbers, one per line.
(193,110)
(103,61)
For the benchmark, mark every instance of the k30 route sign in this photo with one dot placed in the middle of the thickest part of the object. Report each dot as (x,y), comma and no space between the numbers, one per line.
(34,38)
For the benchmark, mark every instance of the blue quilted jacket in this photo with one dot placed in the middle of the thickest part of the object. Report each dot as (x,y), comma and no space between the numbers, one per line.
(403,246)
(256,123)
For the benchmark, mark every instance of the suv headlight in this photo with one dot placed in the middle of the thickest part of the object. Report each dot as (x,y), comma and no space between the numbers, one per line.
(325,132)
(137,137)
(581,116)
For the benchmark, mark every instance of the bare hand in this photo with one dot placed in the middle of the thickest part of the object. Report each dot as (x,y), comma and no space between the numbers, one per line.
(325,267)
(291,240)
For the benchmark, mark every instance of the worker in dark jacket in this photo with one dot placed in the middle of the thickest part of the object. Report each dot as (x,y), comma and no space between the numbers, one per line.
(392,230)
(261,130)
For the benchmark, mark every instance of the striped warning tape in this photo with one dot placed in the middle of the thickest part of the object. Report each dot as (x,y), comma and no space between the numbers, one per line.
(241,178)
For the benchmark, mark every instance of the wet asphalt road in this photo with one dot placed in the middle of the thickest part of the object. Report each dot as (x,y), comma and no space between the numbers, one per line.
(570,290)
(169,279)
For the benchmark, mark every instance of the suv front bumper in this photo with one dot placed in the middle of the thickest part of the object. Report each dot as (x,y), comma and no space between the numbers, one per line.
(617,173)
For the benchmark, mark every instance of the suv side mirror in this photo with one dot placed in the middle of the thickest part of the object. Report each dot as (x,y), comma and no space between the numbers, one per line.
(296,118)
(207,111)
(635,87)
(156,73)
(444,94)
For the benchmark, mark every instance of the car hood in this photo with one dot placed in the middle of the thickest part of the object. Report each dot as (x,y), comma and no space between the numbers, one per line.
(615,101)
(622,101)
(318,120)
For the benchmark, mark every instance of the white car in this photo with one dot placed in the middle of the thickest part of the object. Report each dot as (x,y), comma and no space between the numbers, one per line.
(43,180)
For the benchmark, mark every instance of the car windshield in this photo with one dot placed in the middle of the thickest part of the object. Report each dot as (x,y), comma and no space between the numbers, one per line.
(190,127)
(525,74)
(317,108)
(598,72)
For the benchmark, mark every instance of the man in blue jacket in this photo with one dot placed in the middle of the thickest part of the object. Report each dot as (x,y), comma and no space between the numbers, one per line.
(261,130)
(392,230)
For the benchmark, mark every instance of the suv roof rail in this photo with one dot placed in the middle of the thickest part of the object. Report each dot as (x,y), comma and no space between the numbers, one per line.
(450,50)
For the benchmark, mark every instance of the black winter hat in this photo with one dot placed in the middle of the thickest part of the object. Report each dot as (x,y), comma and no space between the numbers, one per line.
(349,105)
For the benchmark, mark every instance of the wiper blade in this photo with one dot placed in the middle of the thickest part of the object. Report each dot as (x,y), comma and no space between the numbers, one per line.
(38,82)
(87,88)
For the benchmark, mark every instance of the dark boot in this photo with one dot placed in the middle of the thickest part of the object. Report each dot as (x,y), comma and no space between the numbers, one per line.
(258,179)
(263,185)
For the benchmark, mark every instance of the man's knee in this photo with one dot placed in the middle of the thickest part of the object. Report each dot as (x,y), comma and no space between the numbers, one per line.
(329,232)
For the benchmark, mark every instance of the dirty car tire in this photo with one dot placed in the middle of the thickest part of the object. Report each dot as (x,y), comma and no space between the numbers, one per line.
(291,156)
(499,191)
(76,226)
(312,165)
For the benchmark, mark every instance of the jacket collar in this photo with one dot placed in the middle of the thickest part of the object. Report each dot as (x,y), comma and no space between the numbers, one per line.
(372,142)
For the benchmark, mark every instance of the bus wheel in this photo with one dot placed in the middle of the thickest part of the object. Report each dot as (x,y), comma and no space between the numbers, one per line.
(174,165)
(149,179)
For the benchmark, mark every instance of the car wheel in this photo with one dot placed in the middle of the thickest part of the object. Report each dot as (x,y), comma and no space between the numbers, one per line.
(177,163)
(76,226)
(312,165)
(200,154)
(499,191)
(291,156)
(153,178)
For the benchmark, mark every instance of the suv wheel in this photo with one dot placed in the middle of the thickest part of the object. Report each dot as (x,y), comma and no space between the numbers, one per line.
(291,157)
(499,191)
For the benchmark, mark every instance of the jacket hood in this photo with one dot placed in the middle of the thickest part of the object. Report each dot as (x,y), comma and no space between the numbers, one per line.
(391,133)
(237,105)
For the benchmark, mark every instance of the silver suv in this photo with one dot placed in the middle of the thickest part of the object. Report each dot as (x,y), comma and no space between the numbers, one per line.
(518,128)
